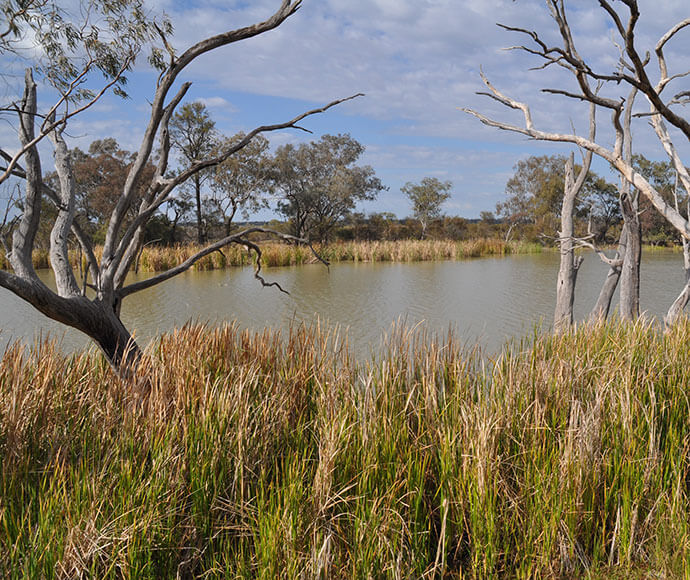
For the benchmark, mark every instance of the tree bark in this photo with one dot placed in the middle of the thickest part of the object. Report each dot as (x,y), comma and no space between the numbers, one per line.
(601,309)
(570,264)
(676,310)
(95,318)
(629,308)
(200,236)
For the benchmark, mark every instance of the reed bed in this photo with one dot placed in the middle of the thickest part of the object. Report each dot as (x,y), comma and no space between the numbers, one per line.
(160,258)
(261,455)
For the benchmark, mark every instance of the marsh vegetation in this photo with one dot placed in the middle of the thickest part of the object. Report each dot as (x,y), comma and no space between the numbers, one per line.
(240,454)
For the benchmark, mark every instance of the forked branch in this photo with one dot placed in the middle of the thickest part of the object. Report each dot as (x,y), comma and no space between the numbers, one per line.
(241,238)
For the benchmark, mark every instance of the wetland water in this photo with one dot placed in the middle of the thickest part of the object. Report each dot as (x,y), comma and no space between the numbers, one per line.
(484,301)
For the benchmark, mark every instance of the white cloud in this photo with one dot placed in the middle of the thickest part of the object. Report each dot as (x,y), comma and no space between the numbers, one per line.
(218,103)
(416,60)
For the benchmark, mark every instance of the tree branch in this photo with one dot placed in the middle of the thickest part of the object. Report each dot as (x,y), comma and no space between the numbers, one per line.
(46,129)
(614,157)
(24,236)
(59,253)
(237,238)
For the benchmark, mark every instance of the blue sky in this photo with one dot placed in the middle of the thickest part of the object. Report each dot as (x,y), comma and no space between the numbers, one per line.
(417,61)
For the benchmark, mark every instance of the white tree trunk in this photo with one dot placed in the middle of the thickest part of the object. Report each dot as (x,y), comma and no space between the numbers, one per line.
(602,307)
(570,264)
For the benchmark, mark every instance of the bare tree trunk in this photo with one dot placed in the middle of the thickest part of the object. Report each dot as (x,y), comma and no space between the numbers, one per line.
(200,234)
(679,304)
(676,310)
(114,340)
(95,318)
(570,264)
(630,272)
(629,308)
(602,307)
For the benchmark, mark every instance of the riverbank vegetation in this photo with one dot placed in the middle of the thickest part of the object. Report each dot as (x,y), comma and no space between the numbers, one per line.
(239,454)
(155,258)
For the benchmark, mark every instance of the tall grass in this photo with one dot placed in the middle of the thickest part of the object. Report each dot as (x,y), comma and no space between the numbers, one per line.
(261,455)
(160,258)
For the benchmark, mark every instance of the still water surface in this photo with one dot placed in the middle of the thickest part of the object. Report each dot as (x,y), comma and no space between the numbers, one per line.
(485,301)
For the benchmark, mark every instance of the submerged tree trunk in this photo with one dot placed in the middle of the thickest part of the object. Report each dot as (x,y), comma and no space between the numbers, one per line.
(676,310)
(601,309)
(200,234)
(630,271)
(682,175)
(679,304)
(570,264)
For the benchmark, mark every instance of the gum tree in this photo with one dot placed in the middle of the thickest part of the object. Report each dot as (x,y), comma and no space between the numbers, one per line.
(193,134)
(107,38)
(320,183)
(240,183)
(427,197)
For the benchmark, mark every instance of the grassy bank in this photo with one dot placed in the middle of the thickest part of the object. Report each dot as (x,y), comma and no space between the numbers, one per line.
(159,258)
(268,456)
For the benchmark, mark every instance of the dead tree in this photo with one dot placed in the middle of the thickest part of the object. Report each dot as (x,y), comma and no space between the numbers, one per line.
(632,71)
(679,304)
(570,263)
(626,262)
(92,304)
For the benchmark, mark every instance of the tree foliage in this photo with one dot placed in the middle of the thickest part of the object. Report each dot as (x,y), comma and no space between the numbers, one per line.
(427,197)
(241,182)
(99,175)
(320,184)
(193,134)
(662,175)
(535,192)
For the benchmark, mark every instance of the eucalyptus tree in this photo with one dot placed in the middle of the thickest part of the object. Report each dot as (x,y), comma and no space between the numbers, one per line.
(427,197)
(106,37)
(533,195)
(193,133)
(320,183)
(613,91)
(242,182)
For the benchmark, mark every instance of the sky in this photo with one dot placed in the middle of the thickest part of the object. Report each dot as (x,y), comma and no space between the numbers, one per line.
(416,61)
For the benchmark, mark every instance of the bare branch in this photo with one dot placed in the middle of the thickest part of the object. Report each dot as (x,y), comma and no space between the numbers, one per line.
(111,256)
(237,238)
(585,243)
(614,157)
(659,49)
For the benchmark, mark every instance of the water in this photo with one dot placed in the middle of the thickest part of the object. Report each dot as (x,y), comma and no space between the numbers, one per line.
(485,301)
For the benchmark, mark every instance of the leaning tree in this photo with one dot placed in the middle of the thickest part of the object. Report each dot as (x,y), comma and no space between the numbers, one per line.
(107,39)
(614,91)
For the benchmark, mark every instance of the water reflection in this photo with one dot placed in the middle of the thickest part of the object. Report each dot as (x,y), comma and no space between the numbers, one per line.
(485,300)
